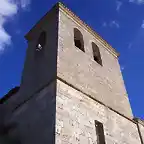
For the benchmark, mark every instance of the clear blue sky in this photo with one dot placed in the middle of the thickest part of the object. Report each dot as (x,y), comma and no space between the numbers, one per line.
(121,23)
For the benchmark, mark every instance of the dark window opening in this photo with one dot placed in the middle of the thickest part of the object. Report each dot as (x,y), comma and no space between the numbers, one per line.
(96,53)
(100,132)
(41,41)
(78,39)
(77,43)
(95,58)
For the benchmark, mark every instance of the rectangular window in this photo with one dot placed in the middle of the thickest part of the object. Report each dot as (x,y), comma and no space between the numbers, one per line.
(100,132)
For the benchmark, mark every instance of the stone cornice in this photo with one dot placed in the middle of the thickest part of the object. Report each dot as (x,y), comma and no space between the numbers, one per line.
(83,24)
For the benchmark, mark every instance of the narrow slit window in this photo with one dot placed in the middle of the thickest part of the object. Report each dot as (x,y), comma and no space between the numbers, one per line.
(78,39)
(96,54)
(99,132)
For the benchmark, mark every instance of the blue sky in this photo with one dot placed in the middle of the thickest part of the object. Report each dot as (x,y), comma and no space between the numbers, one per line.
(120,22)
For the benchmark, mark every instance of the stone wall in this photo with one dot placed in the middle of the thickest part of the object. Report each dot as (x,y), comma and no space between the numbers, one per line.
(75,116)
(104,83)
(35,119)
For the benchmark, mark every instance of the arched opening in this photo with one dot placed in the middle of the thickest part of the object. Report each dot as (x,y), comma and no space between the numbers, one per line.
(78,39)
(96,54)
(41,41)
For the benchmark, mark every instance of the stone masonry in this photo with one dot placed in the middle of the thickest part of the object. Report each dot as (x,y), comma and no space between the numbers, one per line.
(76,113)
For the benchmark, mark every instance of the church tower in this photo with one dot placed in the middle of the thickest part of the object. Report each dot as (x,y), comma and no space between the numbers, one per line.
(72,90)
(62,47)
